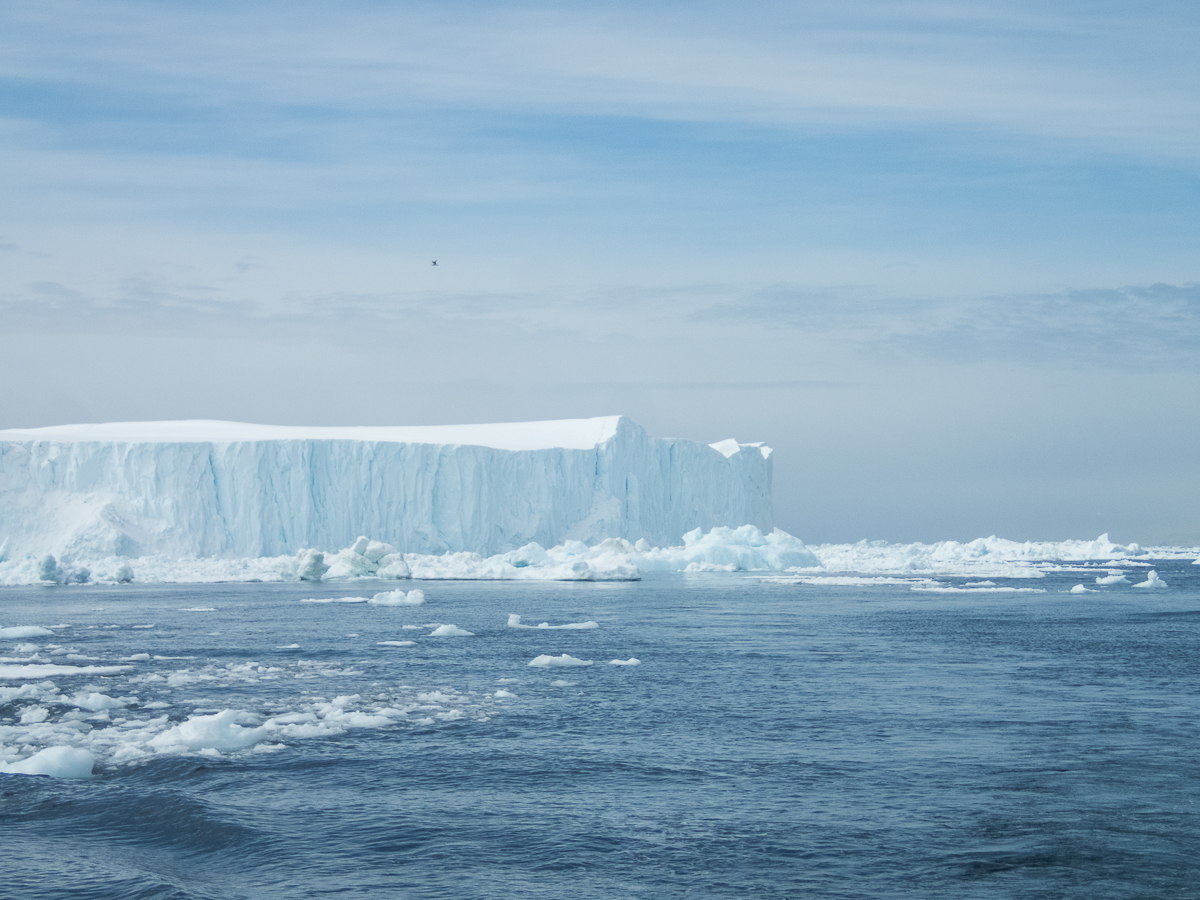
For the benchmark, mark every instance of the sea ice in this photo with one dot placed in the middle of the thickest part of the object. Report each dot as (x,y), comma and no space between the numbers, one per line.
(48,670)
(58,762)
(514,621)
(24,631)
(1152,581)
(450,631)
(1115,578)
(632,661)
(129,489)
(396,643)
(399,598)
(1079,589)
(564,660)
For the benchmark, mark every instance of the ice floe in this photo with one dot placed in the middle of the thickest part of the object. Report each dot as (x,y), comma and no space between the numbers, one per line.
(1152,581)
(632,661)
(514,621)
(398,598)
(59,762)
(24,631)
(450,631)
(563,660)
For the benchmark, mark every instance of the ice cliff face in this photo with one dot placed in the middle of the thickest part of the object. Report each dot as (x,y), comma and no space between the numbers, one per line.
(229,489)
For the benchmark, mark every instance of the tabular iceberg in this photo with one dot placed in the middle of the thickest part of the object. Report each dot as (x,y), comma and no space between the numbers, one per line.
(204,488)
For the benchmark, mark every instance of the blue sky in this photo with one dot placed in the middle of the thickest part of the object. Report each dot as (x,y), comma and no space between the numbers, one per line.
(944,257)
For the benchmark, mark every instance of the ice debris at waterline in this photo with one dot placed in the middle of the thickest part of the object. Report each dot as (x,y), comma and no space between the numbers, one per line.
(207,488)
(722,549)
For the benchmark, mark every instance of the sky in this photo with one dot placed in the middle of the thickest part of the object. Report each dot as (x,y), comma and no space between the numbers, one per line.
(943,257)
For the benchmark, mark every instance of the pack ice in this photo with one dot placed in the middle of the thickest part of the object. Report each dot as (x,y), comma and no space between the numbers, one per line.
(228,489)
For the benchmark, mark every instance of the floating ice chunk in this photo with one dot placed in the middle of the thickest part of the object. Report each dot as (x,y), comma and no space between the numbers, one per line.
(47,670)
(1115,578)
(34,715)
(564,660)
(398,598)
(288,647)
(1080,589)
(96,701)
(199,609)
(558,682)
(24,631)
(514,621)
(632,661)
(221,731)
(137,657)
(450,631)
(396,643)
(334,600)
(1152,581)
(57,762)
(503,694)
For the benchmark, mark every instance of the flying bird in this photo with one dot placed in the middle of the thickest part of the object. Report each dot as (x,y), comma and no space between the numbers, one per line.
(435,262)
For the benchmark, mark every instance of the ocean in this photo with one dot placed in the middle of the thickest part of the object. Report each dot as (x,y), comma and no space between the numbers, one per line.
(773,740)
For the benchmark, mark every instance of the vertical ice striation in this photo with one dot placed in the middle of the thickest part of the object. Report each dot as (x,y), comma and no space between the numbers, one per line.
(223,488)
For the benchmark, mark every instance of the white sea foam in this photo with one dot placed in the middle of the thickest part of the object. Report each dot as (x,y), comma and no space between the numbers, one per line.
(563,660)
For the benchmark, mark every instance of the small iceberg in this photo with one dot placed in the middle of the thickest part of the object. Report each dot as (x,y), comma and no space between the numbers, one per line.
(1152,581)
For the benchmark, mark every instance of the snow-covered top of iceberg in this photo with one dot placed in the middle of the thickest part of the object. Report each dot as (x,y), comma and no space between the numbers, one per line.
(569,434)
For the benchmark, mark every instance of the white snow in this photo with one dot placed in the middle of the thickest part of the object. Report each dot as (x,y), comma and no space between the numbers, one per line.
(564,660)
(221,489)
(1152,581)
(514,621)
(450,631)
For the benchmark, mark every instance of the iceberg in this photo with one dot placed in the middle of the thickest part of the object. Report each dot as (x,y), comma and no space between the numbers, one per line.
(205,489)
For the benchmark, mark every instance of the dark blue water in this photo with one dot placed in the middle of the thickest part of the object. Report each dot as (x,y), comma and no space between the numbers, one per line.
(777,741)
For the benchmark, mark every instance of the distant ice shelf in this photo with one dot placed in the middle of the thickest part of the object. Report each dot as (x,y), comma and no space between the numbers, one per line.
(207,489)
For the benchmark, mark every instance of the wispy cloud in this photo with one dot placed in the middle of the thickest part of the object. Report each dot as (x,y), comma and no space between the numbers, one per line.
(1107,80)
